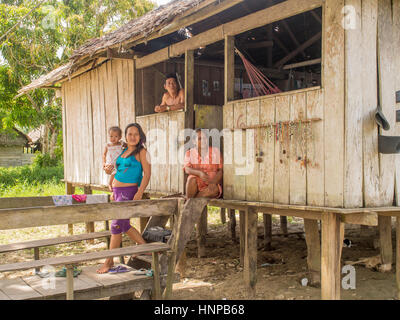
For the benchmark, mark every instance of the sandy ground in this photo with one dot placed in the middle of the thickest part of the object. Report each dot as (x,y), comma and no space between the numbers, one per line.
(219,276)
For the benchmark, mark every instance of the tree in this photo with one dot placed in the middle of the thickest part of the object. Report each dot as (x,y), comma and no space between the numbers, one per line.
(37,37)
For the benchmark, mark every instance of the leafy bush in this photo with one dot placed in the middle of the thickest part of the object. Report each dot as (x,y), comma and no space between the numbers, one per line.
(45,160)
(32,175)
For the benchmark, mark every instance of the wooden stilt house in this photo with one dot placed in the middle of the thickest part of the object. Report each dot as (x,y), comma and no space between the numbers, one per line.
(315,150)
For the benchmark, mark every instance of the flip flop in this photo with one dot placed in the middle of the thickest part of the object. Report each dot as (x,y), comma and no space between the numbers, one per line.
(140,272)
(119,269)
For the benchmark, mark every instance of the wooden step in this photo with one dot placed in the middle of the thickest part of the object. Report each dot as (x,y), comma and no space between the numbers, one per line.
(76,259)
(51,242)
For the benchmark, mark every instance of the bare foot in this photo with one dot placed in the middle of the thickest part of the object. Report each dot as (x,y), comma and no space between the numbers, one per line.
(105,268)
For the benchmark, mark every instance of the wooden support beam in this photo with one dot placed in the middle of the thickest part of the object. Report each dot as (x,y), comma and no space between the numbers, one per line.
(89,225)
(364,219)
(229,69)
(250,259)
(114,54)
(292,36)
(280,44)
(267,221)
(385,235)
(332,239)
(242,235)
(223,215)
(189,89)
(302,64)
(316,16)
(255,20)
(398,256)
(47,216)
(69,189)
(232,224)
(70,282)
(261,44)
(313,250)
(156,276)
(201,234)
(283,220)
(36,257)
(294,53)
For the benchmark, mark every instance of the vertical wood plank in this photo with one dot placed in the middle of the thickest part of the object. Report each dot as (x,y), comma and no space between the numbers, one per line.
(281,178)
(102,109)
(156,276)
(232,224)
(385,235)
(370,101)
(189,89)
(386,95)
(333,81)
(250,260)
(201,234)
(313,249)
(315,150)
(267,221)
(96,141)
(228,152)
(70,282)
(242,235)
(252,178)
(267,147)
(223,215)
(181,150)
(229,70)
(298,152)
(173,152)
(398,256)
(239,151)
(90,145)
(353,179)
(64,129)
(396,35)
(331,245)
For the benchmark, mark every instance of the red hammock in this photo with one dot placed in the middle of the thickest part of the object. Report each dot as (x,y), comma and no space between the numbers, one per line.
(261,84)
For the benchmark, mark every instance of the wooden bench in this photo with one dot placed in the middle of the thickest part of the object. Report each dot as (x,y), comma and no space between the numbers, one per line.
(89,284)
(16,218)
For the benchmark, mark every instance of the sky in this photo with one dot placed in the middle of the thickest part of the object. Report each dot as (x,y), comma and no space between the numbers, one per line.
(161,2)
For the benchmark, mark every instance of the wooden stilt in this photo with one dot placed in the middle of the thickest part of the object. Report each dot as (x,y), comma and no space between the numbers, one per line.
(170,275)
(69,189)
(70,282)
(201,234)
(156,276)
(332,238)
(267,221)
(36,255)
(232,224)
(250,258)
(398,256)
(284,225)
(89,225)
(385,235)
(242,235)
(223,215)
(313,250)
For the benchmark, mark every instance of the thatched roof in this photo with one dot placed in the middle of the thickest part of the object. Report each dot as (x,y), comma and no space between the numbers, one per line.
(11,138)
(139,28)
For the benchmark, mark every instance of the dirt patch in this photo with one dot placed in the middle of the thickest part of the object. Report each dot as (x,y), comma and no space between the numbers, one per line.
(280,271)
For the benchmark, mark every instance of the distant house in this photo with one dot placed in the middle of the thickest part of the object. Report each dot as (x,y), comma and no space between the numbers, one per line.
(13,145)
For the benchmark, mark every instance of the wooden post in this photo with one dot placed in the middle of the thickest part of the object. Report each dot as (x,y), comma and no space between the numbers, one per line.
(232,224)
(70,282)
(156,276)
(201,234)
(229,68)
(385,235)
(69,189)
(313,250)
(398,256)
(250,258)
(242,235)
(170,275)
(143,223)
(189,89)
(223,215)
(332,239)
(36,255)
(267,220)
(89,225)
(284,225)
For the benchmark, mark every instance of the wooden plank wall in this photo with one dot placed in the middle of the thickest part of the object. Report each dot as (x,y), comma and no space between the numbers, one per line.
(94,102)
(291,170)
(396,35)
(165,141)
